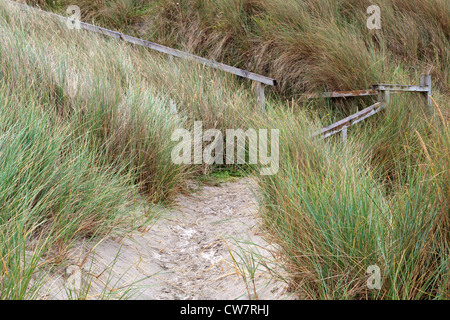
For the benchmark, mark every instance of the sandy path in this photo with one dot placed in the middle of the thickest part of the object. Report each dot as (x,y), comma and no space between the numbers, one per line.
(186,254)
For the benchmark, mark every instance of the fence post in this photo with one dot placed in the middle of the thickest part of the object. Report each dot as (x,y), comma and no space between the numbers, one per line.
(384,96)
(259,94)
(425,81)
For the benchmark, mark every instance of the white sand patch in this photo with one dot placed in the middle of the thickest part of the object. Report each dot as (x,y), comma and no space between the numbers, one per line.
(188,253)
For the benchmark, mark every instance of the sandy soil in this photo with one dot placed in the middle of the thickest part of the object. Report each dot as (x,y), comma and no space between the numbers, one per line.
(187,254)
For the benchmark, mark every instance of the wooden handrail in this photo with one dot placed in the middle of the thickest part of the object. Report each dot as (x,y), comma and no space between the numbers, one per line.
(259,79)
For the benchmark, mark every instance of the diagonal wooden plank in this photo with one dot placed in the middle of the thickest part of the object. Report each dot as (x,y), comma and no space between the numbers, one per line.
(350,120)
(160,48)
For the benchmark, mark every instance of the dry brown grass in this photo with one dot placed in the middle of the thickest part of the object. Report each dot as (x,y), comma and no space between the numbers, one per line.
(306,45)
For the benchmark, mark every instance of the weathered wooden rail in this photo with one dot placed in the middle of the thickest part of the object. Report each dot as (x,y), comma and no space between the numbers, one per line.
(382,91)
(259,81)
(343,124)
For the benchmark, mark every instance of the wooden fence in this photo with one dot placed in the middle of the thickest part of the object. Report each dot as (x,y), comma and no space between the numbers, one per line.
(383,92)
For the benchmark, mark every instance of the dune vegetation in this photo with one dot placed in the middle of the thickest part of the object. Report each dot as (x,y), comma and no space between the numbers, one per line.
(86,121)
(305,45)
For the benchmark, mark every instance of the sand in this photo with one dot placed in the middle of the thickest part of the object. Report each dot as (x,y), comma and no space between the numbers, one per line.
(201,249)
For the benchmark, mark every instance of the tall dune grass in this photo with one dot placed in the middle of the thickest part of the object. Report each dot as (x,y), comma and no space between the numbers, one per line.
(94,86)
(382,200)
(53,192)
